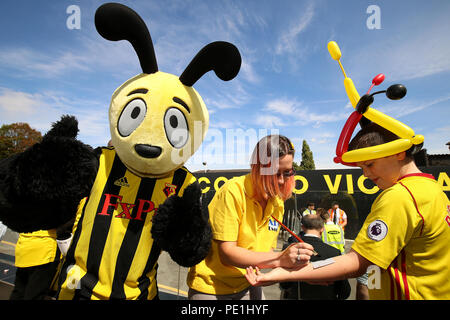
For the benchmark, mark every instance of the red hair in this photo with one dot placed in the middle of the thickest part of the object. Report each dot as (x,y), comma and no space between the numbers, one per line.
(263,174)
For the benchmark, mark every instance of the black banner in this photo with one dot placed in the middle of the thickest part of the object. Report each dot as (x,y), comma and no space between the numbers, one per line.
(354,193)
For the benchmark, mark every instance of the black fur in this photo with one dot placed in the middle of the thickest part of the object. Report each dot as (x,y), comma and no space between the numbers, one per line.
(41,187)
(67,126)
(181,227)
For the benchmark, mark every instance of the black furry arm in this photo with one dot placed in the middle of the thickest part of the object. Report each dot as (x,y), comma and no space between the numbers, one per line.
(41,187)
(181,227)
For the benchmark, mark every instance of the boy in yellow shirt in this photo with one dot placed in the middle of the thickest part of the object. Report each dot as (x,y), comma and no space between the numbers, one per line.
(406,234)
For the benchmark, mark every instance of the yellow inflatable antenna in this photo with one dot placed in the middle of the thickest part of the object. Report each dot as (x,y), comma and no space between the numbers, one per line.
(407,136)
(352,94)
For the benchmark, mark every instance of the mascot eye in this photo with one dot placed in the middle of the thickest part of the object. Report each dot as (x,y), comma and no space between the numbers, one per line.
(176,127)
(131,117)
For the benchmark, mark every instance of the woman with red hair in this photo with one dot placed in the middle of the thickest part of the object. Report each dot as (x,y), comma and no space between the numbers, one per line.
(245,232)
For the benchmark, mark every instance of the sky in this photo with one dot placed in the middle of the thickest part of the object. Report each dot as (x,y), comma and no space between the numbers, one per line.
(53,62)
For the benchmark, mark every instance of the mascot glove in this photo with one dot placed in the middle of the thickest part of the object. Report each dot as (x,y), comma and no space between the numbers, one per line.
(181,227)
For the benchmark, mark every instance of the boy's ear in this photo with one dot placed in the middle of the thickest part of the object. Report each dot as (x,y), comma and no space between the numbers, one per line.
(401,156)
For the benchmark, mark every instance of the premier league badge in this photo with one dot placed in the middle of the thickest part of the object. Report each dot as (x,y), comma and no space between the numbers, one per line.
(377,230)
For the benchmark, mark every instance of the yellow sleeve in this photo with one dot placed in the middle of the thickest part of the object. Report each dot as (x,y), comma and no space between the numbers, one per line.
(225,212)
(392,222)
(35,248)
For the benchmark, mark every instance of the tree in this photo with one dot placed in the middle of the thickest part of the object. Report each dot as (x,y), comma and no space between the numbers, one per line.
(17,137)
(295,166)
(307,158)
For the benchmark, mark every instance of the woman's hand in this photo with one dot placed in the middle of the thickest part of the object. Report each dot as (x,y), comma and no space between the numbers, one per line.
(296,255)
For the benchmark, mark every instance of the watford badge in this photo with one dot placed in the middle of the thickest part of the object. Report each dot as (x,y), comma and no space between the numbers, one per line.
(170,189)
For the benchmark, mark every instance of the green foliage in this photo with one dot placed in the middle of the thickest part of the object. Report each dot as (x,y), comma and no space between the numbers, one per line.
(307,158)
(17,137)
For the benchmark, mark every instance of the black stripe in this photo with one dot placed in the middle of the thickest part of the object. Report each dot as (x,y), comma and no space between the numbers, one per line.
(144,282)
(144,290)
(70,256)
(178,179)
(100,230)
(131,241)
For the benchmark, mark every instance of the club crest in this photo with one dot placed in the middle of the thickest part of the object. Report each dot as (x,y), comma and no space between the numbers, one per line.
(170,189)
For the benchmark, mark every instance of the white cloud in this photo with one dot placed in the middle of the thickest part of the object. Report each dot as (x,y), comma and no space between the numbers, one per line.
(283,106)
(40,110)
(90,55)
(269,121)
(14,102)
(323,137)
(287,43)
(403,108)
(435,140)
(31,62)
(220,124)
(298,114)
(422,52)
(248,73)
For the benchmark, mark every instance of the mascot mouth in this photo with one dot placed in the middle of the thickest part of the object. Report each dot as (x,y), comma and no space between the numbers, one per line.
(147,151)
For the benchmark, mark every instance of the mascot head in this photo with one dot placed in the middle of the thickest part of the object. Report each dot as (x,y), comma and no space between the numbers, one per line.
(158,120)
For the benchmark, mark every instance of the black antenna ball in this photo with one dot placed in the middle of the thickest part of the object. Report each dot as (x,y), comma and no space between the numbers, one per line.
(396,92)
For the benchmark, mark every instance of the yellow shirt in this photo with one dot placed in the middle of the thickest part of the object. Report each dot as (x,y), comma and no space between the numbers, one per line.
(35,248)
(235,216)
(112,255)
(407,234)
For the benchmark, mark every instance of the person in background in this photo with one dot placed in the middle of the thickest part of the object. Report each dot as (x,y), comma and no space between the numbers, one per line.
(313,227)
(36,259)
(309,209)
(338,216)
(333,234)
(245,232)
(362,291)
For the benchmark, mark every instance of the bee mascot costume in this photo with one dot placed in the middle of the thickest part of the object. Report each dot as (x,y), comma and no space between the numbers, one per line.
(134,199)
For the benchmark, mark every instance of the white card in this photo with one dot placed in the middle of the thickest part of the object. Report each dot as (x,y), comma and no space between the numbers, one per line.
(322,263)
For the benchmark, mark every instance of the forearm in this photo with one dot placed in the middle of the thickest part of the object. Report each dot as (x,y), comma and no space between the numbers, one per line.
(346,266)
(241,258)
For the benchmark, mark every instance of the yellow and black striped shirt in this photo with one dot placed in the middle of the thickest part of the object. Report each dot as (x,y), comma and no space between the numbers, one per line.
(112,255)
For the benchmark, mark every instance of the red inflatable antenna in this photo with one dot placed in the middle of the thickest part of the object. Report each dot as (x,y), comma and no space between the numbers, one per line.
(379,78)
